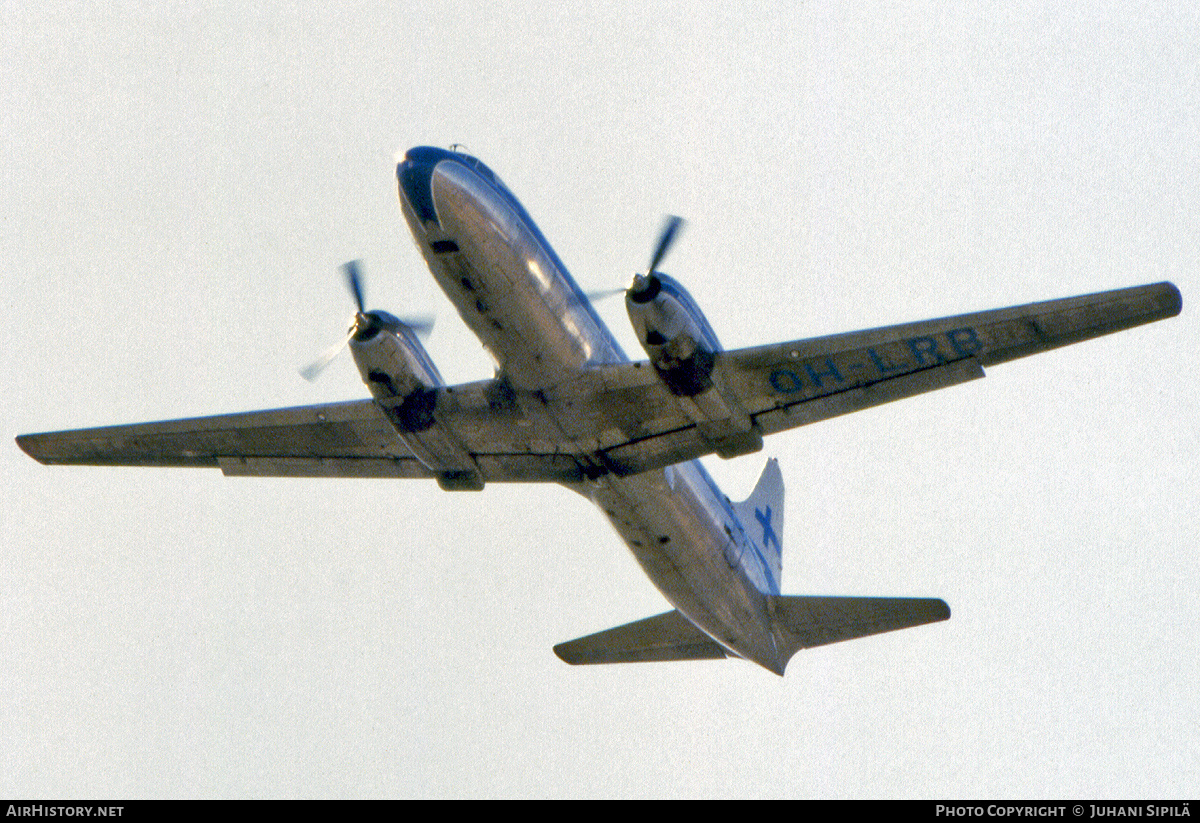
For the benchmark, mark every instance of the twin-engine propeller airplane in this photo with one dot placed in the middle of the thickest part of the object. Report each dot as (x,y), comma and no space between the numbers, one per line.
(567,406)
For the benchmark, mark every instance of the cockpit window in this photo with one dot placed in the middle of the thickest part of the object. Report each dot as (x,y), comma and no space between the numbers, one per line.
(489,174)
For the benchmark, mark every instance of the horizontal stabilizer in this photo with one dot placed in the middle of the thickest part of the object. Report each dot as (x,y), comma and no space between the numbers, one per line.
(804,622)
(668,636)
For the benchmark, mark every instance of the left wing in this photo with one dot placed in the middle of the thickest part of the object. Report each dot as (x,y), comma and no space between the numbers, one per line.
(768,389)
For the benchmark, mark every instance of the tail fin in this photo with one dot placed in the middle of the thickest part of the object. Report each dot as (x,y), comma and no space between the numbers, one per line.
(762,516)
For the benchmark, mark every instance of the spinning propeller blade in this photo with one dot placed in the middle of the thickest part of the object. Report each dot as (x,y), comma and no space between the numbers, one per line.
(665,240)
(363,320)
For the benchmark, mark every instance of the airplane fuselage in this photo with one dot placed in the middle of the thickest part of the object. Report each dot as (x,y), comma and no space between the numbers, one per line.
(515,294)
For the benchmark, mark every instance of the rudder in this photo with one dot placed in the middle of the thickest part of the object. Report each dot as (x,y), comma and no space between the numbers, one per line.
(762,516)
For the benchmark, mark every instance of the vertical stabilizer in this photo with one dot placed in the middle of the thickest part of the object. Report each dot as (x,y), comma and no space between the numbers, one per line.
(762,517)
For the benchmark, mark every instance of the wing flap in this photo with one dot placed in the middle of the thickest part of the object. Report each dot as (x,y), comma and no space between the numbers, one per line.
(857,398)
(668,636)
(557,468)
(399,468)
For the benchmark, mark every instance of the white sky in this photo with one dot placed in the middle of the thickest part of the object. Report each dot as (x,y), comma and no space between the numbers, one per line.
(180,182)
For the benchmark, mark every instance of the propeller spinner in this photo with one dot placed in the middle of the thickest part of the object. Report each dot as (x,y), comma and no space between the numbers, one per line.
(646,286)
(365,323)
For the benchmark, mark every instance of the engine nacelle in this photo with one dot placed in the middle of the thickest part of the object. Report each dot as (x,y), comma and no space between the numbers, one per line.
(674,332)
(404,382)
(394,364)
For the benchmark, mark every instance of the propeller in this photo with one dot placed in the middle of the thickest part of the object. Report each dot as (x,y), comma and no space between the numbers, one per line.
(646,286)
(670,228)
(604,294)
(364,325)
(354,282)
(643,284)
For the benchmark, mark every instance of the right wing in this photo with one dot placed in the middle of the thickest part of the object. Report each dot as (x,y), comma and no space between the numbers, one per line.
(353,439)
(340,439)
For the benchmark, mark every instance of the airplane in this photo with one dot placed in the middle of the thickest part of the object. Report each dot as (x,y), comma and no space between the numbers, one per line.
(567,406)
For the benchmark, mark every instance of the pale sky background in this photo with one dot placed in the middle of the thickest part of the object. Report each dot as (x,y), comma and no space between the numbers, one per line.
(180,182)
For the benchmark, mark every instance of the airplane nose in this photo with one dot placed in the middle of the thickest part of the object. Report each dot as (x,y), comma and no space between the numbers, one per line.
(413,174)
